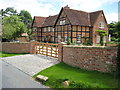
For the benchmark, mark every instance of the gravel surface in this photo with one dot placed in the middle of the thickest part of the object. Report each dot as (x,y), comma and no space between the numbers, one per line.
(31,63)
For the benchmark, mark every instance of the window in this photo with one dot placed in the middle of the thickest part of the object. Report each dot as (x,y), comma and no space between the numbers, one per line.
(44,29)
(48,29)
(78,38)
(101,24)
(98,39)
(52,39)
(59,38)
(53,29)
(65,39)
(62,22)
(42,38)
(34,29)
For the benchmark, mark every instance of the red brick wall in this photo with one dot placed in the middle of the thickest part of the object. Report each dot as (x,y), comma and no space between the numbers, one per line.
(16,47)
(22,39)
(96,27)
(100,59)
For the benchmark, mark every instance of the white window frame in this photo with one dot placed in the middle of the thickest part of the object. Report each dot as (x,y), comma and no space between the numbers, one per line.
(62,22)
(101,24)
(53,29)
(44,29)
(48,29)
(65,39)
(52,38)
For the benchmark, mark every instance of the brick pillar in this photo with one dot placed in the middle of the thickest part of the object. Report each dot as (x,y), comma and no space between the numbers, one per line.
(60,51)
(32,47)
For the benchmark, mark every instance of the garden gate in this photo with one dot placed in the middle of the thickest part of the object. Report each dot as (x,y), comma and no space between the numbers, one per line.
(47,49)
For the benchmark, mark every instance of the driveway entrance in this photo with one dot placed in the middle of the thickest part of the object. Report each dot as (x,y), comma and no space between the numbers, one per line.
(31,64)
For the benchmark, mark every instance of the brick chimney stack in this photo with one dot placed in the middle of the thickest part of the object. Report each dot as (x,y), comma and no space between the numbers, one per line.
(67,7)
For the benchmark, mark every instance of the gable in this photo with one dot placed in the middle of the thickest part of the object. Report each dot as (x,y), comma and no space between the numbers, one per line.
(94,16)
(38,21)
(62,16)
(101,18)
(78,17)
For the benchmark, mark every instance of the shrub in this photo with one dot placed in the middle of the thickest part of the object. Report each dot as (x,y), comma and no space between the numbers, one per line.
(68,41)
(73,43)
(88,42)
(74,84)
(101,43)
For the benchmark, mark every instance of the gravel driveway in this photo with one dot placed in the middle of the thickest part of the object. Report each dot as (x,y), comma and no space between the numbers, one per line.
(31,63)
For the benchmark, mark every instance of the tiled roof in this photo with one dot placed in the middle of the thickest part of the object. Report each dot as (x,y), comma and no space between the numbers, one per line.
(50,21)
(77,17)
(93,16)
(38,21)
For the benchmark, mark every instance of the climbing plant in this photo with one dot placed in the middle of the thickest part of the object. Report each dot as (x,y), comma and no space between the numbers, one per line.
(102,33)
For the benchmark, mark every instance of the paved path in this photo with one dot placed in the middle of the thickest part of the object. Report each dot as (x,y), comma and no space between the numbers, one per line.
(14,78)
(30,64)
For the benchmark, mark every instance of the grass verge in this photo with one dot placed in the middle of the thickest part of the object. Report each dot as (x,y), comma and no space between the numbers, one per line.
(3,54)
(79,78)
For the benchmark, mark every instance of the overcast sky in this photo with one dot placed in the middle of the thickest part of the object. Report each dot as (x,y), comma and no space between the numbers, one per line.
(52,7)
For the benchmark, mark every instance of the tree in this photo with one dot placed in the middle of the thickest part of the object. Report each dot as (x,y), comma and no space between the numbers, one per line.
(13,27)
(102,33)
(112,31)
(8,11)
(117,29)
(26,18)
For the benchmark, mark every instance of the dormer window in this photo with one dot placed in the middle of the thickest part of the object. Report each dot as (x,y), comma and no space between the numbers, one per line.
(101,24)
(62,22)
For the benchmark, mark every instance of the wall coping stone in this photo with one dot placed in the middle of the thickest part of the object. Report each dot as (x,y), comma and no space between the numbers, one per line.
(95,47)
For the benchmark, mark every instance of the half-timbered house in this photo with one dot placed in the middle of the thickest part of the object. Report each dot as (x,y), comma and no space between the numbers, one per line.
(75,24)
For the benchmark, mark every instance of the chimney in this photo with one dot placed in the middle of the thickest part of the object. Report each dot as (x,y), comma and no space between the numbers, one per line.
(67,7)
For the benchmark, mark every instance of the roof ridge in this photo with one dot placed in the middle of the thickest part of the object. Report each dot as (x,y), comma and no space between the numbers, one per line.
(76,10)
(96,11)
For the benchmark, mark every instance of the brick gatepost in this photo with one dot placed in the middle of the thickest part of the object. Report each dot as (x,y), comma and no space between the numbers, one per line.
(60,51)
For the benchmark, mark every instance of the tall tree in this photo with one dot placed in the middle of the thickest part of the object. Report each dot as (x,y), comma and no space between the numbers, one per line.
(13,27)
(112,31)
(8,11)
(25,16)
(27,19)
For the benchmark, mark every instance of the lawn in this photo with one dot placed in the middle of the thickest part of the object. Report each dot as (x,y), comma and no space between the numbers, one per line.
(78,77)
(3,54)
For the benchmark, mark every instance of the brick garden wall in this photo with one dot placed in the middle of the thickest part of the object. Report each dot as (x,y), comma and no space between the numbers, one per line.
(90,58)
(10,47)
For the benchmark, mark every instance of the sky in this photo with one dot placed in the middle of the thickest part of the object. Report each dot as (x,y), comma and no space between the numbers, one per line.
(52,7)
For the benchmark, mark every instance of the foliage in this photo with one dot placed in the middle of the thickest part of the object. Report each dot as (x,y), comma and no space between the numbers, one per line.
(73,42)
(88,42)
(85,38)
(12,27)
(77,77)
(102,33)
(113,31)
(117,28)
(68,41)
(26,18)
(112,42)
(8,11)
